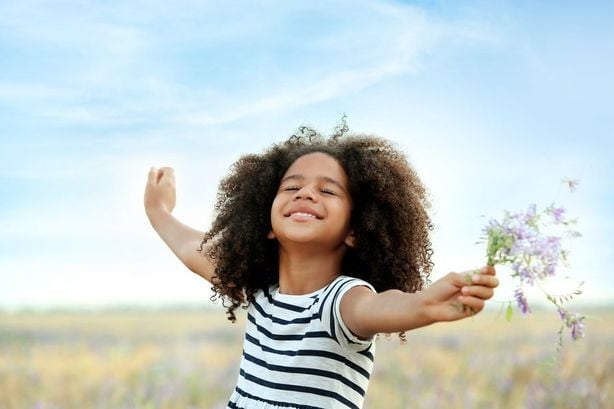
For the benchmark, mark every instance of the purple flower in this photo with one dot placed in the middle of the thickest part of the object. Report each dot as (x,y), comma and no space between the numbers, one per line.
(558,213)
(574,322)
(549,269)
(491,225)
(521,300)
(577,326)
(521,241)
(523,232)
(531,212)
(524,272)
(562,314)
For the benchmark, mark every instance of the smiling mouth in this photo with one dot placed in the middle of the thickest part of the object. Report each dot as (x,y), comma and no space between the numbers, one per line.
(301,215)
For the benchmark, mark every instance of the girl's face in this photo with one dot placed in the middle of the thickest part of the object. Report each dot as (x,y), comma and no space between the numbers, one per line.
(313,203)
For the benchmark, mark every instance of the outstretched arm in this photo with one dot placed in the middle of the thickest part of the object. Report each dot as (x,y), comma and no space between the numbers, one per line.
(453,297)
(183,240)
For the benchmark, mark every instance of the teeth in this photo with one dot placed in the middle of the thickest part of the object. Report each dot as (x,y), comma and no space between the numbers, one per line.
(303,214)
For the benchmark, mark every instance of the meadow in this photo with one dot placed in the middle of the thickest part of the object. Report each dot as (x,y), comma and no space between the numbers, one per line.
(189,359)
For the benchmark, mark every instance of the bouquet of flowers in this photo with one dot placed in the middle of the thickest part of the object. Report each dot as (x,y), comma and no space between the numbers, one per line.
(525,241)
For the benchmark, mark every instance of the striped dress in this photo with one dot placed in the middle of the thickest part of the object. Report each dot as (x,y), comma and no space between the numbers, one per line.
(298,353)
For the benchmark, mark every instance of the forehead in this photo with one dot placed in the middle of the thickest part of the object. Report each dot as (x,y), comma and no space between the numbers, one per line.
(318,164)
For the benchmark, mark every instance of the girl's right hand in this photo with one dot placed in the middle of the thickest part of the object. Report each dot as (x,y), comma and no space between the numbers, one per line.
(459,295)
(160,190)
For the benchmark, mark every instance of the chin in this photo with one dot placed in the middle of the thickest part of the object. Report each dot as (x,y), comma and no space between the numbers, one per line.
(299,239)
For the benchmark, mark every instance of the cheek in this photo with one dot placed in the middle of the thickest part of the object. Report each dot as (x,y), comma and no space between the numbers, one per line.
(276,208)
(343,213)
(276,204)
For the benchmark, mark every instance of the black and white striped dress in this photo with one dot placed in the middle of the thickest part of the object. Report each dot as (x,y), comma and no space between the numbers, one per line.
(298,353)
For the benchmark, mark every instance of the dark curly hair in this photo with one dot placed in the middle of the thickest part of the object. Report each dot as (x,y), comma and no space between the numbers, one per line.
(389,216)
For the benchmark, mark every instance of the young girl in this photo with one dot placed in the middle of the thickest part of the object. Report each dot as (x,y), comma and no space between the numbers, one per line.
(327,242)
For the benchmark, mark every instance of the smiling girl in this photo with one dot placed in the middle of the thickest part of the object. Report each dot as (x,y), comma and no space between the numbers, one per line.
(326,240)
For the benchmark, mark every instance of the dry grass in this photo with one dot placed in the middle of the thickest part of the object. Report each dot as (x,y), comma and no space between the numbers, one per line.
(190,359)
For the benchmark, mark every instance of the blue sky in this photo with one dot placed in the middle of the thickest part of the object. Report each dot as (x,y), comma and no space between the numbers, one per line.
(493,102)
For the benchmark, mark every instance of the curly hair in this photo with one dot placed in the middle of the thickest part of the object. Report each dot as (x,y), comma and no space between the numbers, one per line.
(389,216)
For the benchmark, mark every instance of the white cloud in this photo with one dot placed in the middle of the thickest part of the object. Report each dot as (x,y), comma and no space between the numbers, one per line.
(122,77)
(323,89)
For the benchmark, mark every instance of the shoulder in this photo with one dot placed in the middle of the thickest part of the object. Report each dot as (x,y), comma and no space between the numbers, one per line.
(355,297)
(355,289)
(336,289)
(344,281)
(353,304)
(344,286)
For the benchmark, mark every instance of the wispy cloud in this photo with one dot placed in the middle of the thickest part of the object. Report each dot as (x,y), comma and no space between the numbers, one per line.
(115,71)
(323,89)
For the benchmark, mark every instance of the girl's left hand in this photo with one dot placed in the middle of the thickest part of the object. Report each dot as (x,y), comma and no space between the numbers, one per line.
(459,295)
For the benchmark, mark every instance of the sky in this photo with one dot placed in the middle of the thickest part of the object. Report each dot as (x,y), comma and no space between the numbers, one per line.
(493,102)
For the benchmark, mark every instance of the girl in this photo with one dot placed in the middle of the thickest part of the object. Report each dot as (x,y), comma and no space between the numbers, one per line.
(326,240)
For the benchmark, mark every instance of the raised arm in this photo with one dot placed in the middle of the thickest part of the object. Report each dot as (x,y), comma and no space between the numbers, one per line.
(455,296)
(183,240)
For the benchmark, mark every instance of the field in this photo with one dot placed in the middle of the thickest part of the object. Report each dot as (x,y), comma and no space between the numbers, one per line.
(189,359)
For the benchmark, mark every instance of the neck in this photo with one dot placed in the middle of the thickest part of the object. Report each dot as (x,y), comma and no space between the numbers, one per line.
(302,271)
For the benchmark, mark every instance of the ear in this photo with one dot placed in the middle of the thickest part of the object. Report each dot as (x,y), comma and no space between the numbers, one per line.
(350,240)
(270,235)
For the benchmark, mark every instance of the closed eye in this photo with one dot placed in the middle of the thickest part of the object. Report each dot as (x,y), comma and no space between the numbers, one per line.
(327,191)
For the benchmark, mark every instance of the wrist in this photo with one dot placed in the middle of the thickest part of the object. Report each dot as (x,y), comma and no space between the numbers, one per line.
(156,213)
(425,307)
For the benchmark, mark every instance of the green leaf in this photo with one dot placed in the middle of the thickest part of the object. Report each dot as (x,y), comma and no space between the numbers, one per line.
(508,312)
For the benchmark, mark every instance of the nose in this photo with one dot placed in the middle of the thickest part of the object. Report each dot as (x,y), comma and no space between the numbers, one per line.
(305,192)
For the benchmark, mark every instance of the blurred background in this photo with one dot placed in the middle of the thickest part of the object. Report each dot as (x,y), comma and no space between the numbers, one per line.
(494,103)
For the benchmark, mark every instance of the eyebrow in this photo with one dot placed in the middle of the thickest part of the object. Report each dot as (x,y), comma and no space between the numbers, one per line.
(320,178)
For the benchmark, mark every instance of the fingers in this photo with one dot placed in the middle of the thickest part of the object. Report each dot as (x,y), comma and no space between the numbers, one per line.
(480,286)
(152,175)
(477,291)
(156,176)
(474,296)
(488,270)
(474,305)
(472,278)
(485,280)
(483,276)
(166,174)
(475,287)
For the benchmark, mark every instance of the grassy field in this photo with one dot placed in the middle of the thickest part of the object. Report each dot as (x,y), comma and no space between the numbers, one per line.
(189,359)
